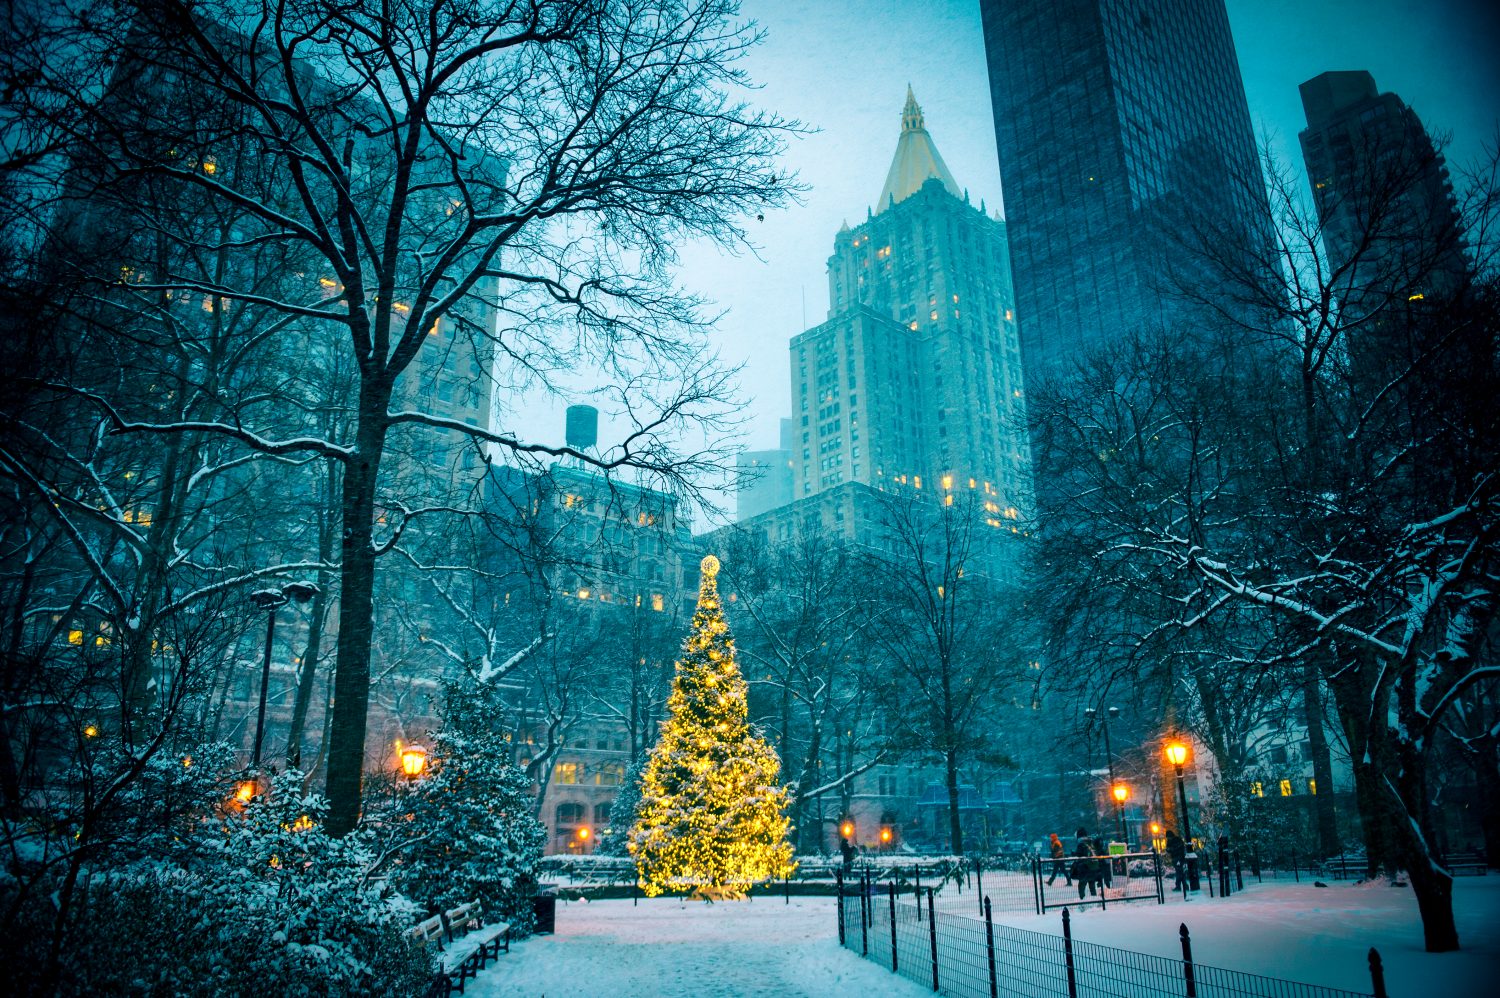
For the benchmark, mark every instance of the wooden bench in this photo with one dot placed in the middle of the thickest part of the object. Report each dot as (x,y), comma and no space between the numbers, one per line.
(474,945)
(1469,864)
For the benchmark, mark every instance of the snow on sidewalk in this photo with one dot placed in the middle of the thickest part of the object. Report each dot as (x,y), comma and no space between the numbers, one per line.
(1298,932)
(669,947)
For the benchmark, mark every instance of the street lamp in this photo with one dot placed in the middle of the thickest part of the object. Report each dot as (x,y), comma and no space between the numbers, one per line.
(270,600)
(413,760)
(1177,754)
(1122,794)
(1109,757)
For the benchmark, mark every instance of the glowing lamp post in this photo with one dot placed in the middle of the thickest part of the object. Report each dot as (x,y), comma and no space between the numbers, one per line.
(885,836)
(1121,794)
(1177,754)
(847,830)
(413,760)
(583,838)
(1155,835)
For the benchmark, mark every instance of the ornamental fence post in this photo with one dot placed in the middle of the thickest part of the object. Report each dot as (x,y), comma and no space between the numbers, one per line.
(864,920)
(932,933)
(989,945)
(1068,954)
(839,877)
(893,925)
(1187,961)
(1377,973)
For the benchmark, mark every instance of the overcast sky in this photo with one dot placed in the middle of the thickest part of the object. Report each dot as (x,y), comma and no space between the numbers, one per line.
(842,66)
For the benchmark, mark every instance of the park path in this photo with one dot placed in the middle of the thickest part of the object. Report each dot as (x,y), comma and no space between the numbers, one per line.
(668,947)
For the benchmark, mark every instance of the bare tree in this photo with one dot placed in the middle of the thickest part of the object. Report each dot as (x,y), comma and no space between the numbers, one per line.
(514,173)
(945,660)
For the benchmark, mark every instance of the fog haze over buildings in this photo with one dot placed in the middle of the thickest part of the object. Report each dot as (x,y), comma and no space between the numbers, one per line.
(843,69)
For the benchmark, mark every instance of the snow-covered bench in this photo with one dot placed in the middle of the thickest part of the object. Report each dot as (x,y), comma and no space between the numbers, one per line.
(472,944)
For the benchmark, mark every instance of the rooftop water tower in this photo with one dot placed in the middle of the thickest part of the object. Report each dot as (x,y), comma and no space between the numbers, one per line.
(582,428)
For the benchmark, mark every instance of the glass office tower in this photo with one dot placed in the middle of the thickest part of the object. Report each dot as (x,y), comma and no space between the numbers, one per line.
(1123,136)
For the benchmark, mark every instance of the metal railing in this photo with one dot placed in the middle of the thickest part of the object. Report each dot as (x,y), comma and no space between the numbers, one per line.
(964,956)
(1101,880)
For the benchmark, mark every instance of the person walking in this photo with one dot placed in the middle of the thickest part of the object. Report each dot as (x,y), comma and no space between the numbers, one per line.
(1177,849)
(1084,866)
(1059,861)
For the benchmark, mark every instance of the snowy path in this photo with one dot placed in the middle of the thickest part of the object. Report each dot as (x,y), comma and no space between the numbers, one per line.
(674,948)
(766,948)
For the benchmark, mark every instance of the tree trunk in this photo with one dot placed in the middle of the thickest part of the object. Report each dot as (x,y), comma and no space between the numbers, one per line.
(1405,797)
(308,674)
(1317,739)
(351,681)
(955,826)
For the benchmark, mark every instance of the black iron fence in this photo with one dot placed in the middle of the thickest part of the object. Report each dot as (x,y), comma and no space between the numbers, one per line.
(960,955)
(1101,880)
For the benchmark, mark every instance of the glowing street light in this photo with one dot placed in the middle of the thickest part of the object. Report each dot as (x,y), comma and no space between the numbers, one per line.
(1121,794)
(413,760)
(1177,753)
(847,829)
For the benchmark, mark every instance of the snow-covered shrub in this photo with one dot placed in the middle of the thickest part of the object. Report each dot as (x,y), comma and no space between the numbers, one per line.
(466,829)
(198,893)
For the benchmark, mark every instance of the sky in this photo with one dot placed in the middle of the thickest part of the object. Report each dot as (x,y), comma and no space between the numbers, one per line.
(843,66)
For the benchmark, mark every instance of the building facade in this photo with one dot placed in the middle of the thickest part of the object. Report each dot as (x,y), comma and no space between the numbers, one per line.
(1381,188)
(1120,124)
(914,380)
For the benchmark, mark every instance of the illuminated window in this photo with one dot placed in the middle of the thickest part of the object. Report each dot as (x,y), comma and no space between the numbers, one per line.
(566,772)
(1312,787)
(583,594)
(1256,790)
(658,603)
(933,315)
(1286,788)
(75,637)
(947,500)
(947,481)
(611,775)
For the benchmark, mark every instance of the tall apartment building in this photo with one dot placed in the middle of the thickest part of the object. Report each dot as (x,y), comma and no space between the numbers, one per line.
(1381,188)
(914,379)
(1116,121)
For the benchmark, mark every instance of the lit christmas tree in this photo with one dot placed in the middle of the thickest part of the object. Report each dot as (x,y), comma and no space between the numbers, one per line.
(712,812)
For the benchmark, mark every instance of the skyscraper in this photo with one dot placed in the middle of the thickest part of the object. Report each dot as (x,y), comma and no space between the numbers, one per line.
(1381,188)
(915,377)
(1119,124)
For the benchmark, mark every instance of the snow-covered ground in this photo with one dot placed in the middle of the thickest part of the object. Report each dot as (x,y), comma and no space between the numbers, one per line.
(765,947)
(687,948)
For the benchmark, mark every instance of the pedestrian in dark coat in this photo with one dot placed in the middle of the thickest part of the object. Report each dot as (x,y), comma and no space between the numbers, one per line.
(1085,867)
(1177,849)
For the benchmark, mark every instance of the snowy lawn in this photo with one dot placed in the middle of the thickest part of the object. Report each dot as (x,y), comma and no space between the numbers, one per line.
(1315,935)
(764,947)
(670,947)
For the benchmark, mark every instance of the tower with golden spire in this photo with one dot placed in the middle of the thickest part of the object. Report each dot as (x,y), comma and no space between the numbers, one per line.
(914,379)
